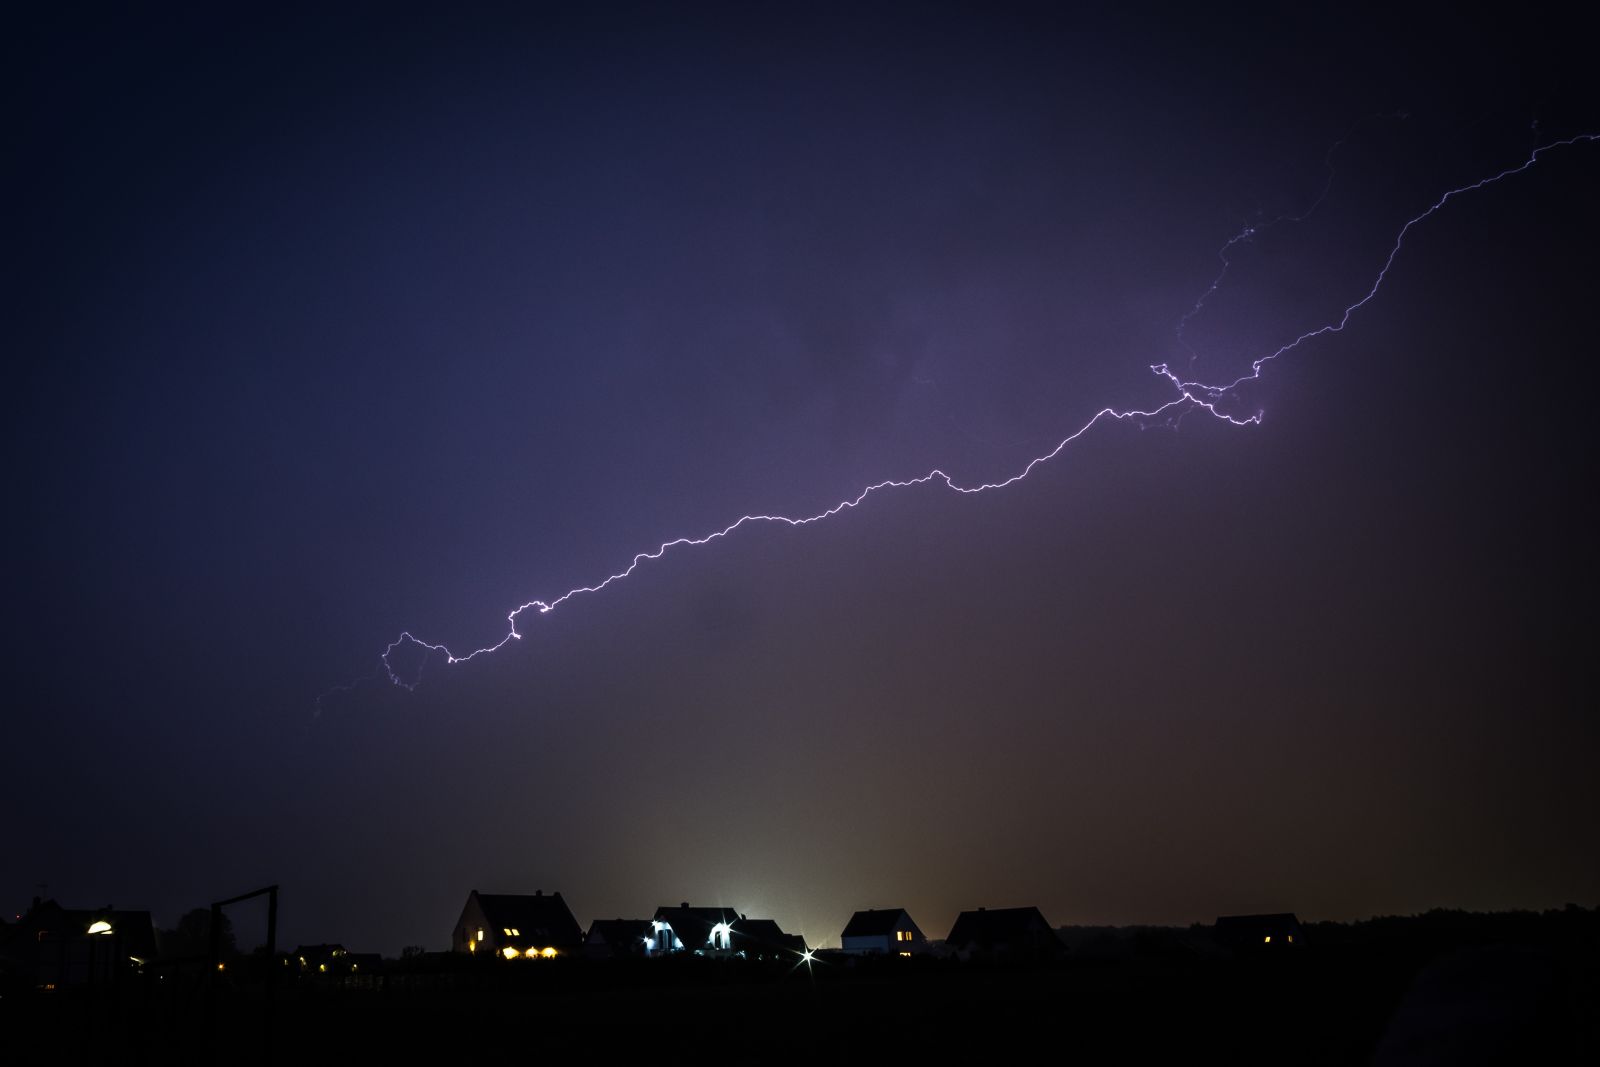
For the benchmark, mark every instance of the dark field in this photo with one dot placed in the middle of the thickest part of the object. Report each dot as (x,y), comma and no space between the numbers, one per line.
(1443,988)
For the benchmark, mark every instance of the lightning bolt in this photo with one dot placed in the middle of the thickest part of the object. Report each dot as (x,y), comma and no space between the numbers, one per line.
(1189,396)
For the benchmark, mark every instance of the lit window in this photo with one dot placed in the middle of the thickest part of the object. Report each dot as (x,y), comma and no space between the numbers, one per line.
(510,953)
(507,929)
(1267,940)
(480,933)
(549,953)
(906,954)
(101,927)
(1291,939)
(515,932)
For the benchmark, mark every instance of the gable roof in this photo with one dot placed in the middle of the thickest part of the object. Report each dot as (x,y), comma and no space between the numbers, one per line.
(133,930)
(693,925)
(874,922)
(995,927)
(620,935)
(1255,929)
(313,953)
(763,937)
(542,919)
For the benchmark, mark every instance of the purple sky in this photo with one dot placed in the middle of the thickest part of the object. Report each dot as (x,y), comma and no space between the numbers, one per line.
(329,327)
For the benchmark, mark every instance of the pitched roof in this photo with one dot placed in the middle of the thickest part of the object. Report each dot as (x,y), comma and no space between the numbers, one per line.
(319,952)
(618,935)
(542,919)
(874,922)
(994,927)
(763,937)
(133,930)
(693,925)
(1255,929)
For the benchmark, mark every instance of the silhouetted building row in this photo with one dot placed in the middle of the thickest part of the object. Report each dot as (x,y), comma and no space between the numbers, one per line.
(542,926)
(52,946)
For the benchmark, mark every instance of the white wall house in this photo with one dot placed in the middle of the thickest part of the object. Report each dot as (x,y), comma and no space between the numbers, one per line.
(883,931)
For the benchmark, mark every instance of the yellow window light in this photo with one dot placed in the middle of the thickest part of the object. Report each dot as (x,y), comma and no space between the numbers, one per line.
(510,953)
(100,927)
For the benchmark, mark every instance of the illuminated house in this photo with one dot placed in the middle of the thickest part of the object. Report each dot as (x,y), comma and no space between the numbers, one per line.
(1004,934)
(703,931)
(1247,932)
(52,946)
(718,932)
(883,931)
(516,927)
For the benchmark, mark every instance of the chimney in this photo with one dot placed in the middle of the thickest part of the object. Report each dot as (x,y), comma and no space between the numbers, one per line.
(981,909)
(685,904)
(538,892)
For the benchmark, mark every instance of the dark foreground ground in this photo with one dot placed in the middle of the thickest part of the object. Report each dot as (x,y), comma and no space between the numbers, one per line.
(1414,998)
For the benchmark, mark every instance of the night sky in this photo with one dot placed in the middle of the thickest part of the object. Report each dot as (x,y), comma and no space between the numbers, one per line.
(327,326)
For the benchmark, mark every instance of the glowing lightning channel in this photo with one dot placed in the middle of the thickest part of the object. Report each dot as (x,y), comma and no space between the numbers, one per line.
(1191,396)
(1251,230)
